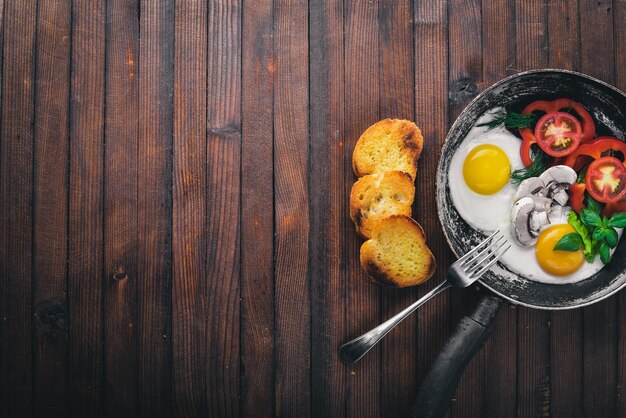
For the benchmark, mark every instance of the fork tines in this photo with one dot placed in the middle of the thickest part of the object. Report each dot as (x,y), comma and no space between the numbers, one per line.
(484,255)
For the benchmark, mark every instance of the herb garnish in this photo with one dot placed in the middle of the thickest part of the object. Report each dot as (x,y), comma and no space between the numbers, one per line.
(603,233)
(540,163)
(510,120)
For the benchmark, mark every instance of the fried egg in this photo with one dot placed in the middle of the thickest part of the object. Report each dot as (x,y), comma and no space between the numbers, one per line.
(479,173)
(482,193)
(540,262)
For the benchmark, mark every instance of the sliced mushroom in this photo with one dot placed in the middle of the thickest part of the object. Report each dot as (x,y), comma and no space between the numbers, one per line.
(520,217)
(561,197)
(536,221)
(559,174)
(555,213)
(542,204)
(528,187)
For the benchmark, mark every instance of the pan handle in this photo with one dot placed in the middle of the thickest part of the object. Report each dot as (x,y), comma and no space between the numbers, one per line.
(437,389)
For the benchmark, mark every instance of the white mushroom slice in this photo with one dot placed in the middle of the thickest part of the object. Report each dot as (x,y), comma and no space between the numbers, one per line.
(536,221)
(528,187)
(556,213)
(561,197)
(520,216)
(542,204)
(559,174)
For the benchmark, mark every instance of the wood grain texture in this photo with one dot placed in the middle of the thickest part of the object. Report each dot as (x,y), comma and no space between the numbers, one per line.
(619,15)
(500,367)
(174,229)
(326,172)
(50,203)
(533,326)
(154,208)
(257,211)
(397,100)
(223,200)
(292,303)
(361,107)
(189,210)
(599,320)
(431,115)
(16,213)
(464,83)
(120,208)
(85,261)
(566,331)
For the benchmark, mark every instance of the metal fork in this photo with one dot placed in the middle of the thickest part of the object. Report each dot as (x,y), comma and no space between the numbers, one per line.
(462,273)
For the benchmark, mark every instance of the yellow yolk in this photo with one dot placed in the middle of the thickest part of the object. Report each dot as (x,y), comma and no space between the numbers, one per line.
(486,169)
(559,263)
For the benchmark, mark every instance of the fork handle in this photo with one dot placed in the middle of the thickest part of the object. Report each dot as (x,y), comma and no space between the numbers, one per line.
(437,389)
(352,351)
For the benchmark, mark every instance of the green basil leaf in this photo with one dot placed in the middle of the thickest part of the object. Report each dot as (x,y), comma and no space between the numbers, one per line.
(570,242)
(593,204)
(605,253)
(590,257)
(611,237)
(589,217)
(618,220)
(599,233)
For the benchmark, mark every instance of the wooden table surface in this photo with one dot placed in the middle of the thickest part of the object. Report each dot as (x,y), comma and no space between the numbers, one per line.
(174,228)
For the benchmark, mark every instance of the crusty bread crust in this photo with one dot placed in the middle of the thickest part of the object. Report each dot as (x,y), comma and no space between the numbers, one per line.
(376,196)
(388,145)
(397,254)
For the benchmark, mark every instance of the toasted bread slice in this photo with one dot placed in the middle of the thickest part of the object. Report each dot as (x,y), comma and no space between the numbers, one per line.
(397,254)
(388,145)
(377,196)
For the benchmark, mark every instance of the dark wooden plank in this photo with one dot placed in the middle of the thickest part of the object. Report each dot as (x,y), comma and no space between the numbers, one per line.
(599,320)
(257,217)
(499,388)
(533,328)
(292,309)
(619,16)
(327,215)
(397,100)
(566,359)
(431,115)
(154,208)
(120,208)
(189,223)
(224,178)
(464,82)
(85,268)
(361,103)
(16,214)
(50,208)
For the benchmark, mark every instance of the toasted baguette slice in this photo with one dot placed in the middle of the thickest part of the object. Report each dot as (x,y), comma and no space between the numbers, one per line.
(388,145)
(397,254)
(377,196)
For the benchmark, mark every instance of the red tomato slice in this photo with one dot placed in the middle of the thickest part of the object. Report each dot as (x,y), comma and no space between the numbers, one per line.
(558,133)
(606,180)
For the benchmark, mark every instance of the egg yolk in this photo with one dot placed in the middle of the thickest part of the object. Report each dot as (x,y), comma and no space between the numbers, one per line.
(559,263)
(486,169)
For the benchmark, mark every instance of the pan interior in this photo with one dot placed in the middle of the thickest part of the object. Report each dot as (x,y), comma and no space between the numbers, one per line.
(607,106)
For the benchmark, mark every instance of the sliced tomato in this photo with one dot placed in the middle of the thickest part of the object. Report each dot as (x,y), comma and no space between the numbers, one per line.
(606,180)
(563,104)
(558,133)
(586,121)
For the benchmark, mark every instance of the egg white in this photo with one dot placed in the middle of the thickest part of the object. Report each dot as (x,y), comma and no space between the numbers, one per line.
(484,212)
